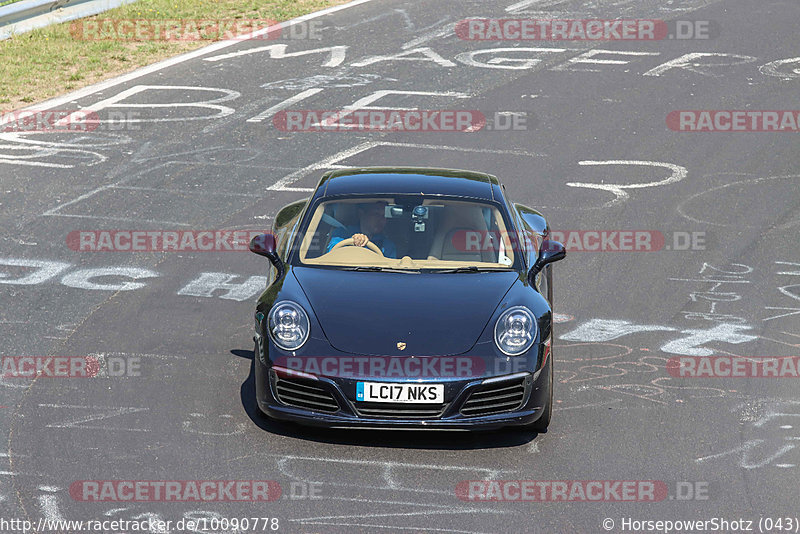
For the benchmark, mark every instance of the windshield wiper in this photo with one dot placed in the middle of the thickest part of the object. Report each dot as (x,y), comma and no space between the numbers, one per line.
(374,268)
(470,269)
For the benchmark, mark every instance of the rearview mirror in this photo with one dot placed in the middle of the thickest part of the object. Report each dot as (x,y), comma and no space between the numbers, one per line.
(550,251)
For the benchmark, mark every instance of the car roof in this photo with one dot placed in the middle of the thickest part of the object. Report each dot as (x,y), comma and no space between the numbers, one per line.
(408,180)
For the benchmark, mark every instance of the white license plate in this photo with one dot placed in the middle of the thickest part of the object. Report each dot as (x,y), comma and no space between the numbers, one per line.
(412,393)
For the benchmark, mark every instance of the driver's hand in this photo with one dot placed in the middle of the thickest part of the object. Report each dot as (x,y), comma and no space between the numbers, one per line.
(360,240)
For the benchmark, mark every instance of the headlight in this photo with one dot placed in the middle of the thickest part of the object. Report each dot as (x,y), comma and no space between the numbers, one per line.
(288,325)
(515,331)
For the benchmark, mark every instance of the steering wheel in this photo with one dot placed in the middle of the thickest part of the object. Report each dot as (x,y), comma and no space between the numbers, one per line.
(349,242)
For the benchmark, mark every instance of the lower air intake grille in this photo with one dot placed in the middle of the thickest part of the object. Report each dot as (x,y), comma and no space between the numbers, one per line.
(403,411)
(305,394)
(495,398)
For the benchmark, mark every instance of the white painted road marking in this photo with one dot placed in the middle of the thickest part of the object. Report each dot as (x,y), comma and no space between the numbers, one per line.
(278,51)
(102,86)
(678,173)
(331,162)
(299,97)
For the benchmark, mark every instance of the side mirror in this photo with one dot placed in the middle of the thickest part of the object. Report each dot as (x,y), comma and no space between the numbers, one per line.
(550,251)
(265,245)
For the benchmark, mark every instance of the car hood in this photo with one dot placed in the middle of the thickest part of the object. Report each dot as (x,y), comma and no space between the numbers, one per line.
(369,313)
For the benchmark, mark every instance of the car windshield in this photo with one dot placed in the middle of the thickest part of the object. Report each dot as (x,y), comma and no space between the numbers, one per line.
(413,232)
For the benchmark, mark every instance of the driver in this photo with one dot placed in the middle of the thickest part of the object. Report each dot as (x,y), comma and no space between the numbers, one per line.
(371,222)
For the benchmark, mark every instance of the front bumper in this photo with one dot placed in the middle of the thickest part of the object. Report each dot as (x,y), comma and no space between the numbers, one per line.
(528,393)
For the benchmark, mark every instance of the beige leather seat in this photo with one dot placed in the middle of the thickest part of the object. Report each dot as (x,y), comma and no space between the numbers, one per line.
(448,245)
(346,213)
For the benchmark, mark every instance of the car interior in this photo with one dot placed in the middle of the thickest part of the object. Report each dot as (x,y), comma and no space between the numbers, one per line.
(423,230)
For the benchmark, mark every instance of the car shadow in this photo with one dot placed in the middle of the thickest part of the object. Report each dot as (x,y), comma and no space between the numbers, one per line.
(405,439)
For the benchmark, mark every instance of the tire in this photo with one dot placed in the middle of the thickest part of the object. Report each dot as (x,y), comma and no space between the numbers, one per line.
(541,424)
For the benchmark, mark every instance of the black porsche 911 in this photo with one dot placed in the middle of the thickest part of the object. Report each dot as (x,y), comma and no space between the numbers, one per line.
(407,297)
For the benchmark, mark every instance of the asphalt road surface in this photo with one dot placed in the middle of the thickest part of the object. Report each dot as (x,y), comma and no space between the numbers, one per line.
(195,147)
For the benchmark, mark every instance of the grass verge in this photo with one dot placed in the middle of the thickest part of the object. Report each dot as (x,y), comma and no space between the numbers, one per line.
(50,61)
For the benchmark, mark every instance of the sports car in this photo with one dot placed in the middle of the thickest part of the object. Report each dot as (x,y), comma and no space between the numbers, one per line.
(407,297)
